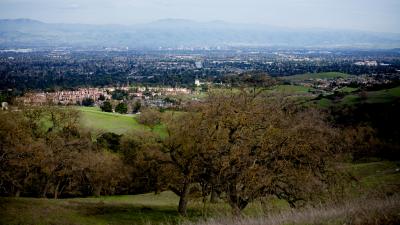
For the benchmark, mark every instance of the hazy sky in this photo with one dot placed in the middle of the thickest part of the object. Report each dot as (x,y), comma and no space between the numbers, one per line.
(374,15)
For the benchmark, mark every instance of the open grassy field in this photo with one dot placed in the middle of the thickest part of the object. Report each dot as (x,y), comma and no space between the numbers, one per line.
(353,97)
(308,76)
(290,89)
(382,96)
(94,119)
(161,209)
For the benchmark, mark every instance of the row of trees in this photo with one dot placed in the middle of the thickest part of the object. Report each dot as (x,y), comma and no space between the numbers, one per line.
(121,107)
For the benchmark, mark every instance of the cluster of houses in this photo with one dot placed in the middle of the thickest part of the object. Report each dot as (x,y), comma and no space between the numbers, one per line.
(64,97)
(98,95)
(333,84)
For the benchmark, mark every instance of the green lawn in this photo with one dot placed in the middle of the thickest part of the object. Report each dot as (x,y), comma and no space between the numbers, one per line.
(308,76)
(94,119)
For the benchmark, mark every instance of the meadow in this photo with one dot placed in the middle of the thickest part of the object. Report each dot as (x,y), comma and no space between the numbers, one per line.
(94,119)
(308,76)
(352,96)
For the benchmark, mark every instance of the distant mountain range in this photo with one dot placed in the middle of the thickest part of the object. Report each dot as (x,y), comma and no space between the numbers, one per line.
(173,33)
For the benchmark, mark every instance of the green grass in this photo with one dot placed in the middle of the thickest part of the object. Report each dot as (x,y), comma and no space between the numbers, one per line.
(324,103)
(94,119)
(382,96)
(290,89)
(308,76)
(371,97)
(138,209)
(373,174)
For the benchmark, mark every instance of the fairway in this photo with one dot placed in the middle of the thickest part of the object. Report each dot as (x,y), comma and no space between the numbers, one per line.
(94,119)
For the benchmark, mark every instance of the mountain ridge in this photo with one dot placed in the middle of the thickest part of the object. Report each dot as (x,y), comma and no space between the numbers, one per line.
(172,32)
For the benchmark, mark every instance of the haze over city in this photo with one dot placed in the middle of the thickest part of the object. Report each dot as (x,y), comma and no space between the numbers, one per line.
(369,15)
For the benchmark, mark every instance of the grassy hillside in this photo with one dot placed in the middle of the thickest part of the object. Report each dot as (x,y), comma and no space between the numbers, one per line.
(290,89)
(353,97)
(308,76)
(94,119)
(161,208)
(382,96)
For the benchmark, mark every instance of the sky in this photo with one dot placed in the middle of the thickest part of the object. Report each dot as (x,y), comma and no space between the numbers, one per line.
(370,15)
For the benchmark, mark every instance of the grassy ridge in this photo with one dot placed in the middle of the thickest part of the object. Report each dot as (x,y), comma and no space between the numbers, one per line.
(382,96)
(308,76)
(290,89)
(353,97)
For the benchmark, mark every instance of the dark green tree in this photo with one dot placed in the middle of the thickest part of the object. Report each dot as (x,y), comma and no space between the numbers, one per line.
(119,94)
(121,108)
(106,107)
(102,98)
(87,102)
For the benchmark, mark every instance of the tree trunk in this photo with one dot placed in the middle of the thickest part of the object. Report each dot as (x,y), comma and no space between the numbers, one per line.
(214,196)
(46,188)
(236,202)
(17,193)
(56,190)
(183,200)
(97,190)
(236,212)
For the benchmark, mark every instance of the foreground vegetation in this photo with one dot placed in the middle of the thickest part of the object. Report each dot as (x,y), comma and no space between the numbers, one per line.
(161,208)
